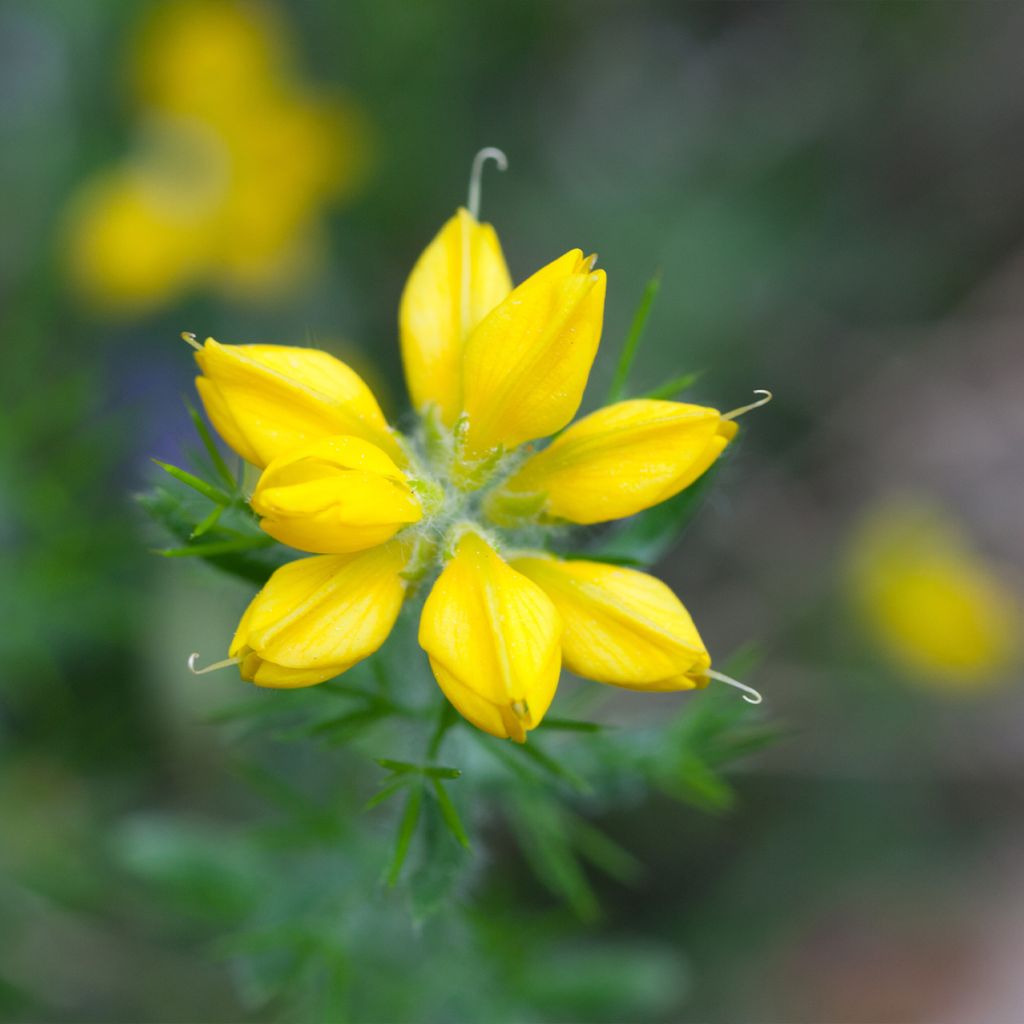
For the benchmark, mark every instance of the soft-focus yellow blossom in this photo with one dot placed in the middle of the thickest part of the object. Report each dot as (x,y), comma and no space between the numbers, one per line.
(492,637)
(317,617)
(458,280)
(620,460)
(214,83)
(930,602)
(205,58)
(489,369)
(526,365)
(334,495)
(621,626)
(267,399)
(135,237)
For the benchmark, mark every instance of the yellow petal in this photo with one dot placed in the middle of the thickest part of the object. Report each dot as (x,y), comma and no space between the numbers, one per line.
(493,640)
(265,399)
(334,495)
(621,626)
(620,460)
(317,617)
(458,280)
(526,365)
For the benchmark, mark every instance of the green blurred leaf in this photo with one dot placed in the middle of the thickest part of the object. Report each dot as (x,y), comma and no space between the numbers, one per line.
(532,752)
(571,725)
(540,829)
(450,814)
(672,387)
(406,830)
(442,866)
(694,782)
(617,391)
(211,448)
(602,851)
(218,547)
(403,767)
(387,791)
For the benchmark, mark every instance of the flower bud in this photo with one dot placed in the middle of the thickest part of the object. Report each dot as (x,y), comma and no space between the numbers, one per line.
(332,496)
(265,399)
(317,617)
(618,461)
(458,280)
(622,627)
(492,637)
(526,364)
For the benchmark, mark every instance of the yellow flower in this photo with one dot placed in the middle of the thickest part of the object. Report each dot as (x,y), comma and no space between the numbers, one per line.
(618,461)
(492,637)
(526,364)
(334,495)
(265,400)
(135,237)
(489,369)
(929,601)
(233,163)
(621,626)
(458,280)
(316,617)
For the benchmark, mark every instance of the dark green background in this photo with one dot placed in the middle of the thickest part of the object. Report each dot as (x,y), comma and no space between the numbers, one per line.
(833,195)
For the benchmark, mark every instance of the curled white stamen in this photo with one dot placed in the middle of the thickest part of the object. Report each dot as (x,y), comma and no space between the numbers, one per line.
(190,339)
(753,698)
(194,657)
(476,173)
(753,405)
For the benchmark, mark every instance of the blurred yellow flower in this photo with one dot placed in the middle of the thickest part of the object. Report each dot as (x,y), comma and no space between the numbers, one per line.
(489,368)
(932,604)
(233,163)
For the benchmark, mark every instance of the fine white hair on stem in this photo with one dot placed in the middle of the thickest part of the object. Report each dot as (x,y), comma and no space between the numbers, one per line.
(194,657)
(750,695)
(190,339)
(766,397)
(476,173)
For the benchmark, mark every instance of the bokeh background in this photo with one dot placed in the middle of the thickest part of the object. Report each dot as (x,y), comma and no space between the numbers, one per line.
(833,195)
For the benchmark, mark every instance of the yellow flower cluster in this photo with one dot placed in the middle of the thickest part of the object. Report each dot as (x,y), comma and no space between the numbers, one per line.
(931,603)
(490,368)
(232,162)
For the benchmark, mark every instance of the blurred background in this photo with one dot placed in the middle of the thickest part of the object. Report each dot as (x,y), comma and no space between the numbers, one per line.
(834,197)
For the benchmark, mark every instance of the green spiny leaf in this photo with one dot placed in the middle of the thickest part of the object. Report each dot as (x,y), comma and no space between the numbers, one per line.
(450,814)
(534,753)
(672,387)
(542,835)
(208,523)
(220,547)
(571,725)
(387,791)
(636,331)
(211,448)
(215,494)
(406,830)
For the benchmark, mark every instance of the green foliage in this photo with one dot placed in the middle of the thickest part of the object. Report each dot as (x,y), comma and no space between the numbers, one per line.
(636,332)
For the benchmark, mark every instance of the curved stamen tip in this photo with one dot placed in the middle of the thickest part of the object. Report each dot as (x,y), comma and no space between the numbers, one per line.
(194,657)
(476,173)
(766,397)
(749,694)
(190,339)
